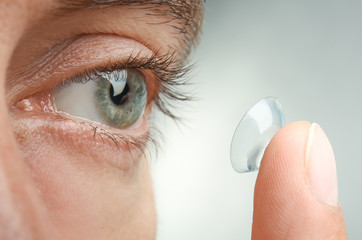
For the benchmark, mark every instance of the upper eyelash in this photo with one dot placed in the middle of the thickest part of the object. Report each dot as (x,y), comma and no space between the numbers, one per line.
(169,78)
(168,73)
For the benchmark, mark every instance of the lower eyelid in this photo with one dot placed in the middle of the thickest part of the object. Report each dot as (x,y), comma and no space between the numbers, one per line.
(121,149)
(37,122)
(41,106)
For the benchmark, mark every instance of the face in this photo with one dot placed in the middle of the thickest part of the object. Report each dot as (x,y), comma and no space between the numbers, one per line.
(79,80)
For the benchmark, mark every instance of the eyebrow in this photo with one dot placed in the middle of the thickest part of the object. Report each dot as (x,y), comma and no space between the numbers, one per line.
(186,16)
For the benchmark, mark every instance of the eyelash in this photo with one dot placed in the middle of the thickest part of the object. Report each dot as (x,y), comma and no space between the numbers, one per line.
(168,78)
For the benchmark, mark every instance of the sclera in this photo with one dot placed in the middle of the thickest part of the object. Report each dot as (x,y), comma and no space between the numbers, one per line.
(253,134)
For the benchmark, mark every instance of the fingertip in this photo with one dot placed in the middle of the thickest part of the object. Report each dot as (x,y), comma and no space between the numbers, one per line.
(284,205)
(279,172)
(284,156)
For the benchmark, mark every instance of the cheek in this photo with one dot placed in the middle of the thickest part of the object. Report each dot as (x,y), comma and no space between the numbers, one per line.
(87,201)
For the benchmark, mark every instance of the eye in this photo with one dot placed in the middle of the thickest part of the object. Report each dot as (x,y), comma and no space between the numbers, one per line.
(117,98)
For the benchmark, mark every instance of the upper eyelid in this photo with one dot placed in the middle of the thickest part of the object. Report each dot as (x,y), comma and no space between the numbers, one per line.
(135,23)
(168,72)
(66,59)
(146,59)
(138,64)
(166,76)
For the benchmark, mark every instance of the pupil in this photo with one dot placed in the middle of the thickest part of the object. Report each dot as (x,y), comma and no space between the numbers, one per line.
(120,98)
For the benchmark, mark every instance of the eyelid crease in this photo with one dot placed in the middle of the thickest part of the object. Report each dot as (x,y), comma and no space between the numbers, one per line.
(63,62)
(168,78)
(164,70)
(186,17)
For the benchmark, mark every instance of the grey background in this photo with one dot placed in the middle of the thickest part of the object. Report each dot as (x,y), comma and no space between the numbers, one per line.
(306,53)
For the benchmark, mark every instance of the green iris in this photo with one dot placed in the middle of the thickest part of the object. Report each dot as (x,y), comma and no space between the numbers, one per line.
(121,97)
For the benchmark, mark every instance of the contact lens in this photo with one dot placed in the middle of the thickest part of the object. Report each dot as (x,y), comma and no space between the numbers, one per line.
(253,134)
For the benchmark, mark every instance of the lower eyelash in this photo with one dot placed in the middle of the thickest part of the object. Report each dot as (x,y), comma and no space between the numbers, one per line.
(146,142)
(169,76)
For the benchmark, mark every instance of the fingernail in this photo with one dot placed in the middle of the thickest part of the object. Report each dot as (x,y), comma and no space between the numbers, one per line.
(321,166)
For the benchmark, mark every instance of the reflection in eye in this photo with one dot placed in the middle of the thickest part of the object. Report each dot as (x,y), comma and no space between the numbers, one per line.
(116,98)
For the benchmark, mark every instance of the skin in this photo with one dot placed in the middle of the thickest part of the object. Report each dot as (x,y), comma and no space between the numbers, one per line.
(61,179)
(285,205)
(59,182)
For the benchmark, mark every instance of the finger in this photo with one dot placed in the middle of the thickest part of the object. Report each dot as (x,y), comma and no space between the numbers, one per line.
(296,195)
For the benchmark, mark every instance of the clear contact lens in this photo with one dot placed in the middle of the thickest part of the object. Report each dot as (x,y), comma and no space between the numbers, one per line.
(253,134)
